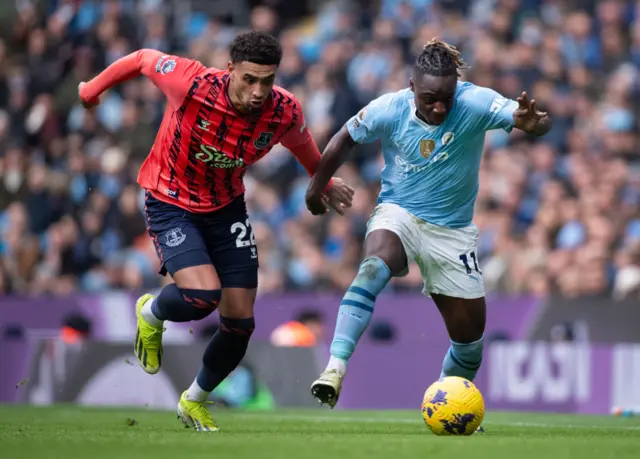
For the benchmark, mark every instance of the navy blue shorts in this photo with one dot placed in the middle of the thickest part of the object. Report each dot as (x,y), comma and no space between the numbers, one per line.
(223,238)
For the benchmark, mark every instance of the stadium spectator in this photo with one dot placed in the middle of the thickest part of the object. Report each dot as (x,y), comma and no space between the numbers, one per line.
(555,217)
(306,330)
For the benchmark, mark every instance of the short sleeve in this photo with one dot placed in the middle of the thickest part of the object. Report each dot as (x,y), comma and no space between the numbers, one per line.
(299,133)
(373,121)
(491,109)
(173,75)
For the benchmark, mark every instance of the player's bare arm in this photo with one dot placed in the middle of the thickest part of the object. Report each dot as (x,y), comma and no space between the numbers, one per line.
(335,193)
(529,119)
(335,154)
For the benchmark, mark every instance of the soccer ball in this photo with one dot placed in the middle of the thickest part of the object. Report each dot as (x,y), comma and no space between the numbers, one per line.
(453,406)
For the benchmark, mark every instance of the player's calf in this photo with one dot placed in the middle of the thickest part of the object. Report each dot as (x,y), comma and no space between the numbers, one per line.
(465,320)
(356,309)
(354,316)
(223,354)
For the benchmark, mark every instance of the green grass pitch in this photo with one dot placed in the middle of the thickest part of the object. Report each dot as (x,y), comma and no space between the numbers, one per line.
(93,433)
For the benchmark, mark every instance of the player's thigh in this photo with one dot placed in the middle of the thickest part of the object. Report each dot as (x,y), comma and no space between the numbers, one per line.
(392,236)
(231,246)
(180,246)
(454,280)
(465,318)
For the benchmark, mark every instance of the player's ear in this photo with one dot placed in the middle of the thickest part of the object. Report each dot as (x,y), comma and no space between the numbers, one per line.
(411,85)
(230,66)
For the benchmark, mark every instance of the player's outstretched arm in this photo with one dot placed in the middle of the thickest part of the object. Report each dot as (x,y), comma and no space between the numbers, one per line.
(334,156)
(529,119)
(336,193)
(169,73)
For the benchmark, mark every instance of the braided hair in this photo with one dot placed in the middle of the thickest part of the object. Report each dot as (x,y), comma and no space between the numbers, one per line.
(440,59)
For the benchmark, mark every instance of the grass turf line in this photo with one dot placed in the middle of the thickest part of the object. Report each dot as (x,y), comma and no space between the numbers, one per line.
(63,431)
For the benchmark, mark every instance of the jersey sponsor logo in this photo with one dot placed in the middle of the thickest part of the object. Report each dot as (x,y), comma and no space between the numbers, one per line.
(405,168)
(214,158)
(426,147)
(361,114)
(498,104)
(175,237)
(203,124)
(171,193)
(447,138)
(263,140)
(356,123)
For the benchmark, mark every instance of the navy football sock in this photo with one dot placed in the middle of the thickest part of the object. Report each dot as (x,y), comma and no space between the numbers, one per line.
(184,305)
(225,351)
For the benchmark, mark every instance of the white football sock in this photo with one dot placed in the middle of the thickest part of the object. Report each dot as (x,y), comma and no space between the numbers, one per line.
(195,393)
(148,315)
(336,363)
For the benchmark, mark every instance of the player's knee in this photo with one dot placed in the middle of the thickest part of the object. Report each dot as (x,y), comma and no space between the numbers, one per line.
(374,274)
(238,303)
(202,302)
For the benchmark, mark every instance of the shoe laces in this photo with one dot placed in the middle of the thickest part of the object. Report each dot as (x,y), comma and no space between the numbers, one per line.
(153,343)
(202,411)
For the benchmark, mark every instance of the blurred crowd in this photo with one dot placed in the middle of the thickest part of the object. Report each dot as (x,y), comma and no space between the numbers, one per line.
(559,214)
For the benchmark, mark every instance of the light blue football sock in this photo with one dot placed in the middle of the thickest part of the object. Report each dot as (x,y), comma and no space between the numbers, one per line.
(463,359)
(357,306)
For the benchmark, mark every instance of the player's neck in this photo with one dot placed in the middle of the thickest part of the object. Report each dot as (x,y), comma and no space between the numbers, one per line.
(422,118)
(235,103)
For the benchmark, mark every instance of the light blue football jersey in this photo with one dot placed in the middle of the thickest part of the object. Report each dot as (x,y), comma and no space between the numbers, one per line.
(432,171)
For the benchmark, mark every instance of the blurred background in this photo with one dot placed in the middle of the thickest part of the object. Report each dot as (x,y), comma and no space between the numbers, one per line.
(559,217)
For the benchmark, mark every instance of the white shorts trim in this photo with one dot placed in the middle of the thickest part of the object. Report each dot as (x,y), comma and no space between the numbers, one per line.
(439,252)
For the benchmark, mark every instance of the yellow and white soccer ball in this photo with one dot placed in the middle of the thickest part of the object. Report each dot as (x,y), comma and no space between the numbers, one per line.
(453,406)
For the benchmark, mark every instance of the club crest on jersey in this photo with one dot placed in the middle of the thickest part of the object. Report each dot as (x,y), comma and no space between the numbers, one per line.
(263,140)
(426,147)
(175,237)
(447,138)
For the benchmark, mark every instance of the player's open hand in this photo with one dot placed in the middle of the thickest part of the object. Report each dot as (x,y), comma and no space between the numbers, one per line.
(340,196)
(86,103)
(527,116)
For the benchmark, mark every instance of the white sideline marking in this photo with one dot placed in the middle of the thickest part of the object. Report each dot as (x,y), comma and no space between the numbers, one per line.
(382,420)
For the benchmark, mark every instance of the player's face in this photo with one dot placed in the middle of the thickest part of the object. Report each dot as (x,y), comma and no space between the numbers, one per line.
(434,96)
(250,85)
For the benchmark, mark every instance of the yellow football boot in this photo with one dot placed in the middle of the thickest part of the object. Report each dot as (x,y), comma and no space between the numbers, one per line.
(195,414)
(148,344)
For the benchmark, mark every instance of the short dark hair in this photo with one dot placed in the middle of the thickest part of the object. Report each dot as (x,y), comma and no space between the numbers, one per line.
(440,59)
(257,48)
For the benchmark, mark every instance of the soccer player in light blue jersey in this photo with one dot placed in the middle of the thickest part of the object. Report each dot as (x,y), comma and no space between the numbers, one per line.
(432,136)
